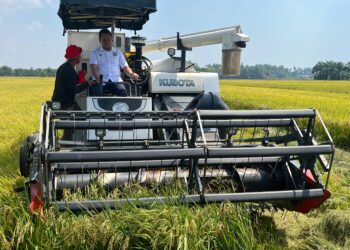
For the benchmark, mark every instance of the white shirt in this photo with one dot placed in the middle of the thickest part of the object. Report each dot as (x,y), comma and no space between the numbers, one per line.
(109,63)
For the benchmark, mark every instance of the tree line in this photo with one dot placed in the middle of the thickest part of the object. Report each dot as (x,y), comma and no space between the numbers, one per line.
(7,71)
(328,70)
(261,71)
(324,70)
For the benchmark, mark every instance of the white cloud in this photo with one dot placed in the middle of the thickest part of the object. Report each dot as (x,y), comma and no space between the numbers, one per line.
(35,26)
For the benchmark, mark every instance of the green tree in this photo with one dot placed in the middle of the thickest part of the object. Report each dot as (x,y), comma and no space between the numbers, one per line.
(6,71)
(331,70)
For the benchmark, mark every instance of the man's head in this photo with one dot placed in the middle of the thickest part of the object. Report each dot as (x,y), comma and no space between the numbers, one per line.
(73,54)
(105,37)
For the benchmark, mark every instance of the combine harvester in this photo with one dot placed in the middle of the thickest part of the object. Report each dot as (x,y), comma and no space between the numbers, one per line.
(173,132)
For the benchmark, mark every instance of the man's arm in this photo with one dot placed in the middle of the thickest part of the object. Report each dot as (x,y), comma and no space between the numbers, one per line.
(130,73)
(95,72)
(72,83)
(93,65)
(124,65)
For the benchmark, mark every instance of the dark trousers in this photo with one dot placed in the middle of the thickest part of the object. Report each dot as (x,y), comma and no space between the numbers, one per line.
(113,88)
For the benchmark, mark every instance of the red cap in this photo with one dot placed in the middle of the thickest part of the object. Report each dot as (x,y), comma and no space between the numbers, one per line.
(73,51)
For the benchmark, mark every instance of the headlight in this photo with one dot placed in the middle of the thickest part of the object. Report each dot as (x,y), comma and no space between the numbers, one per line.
(56,105)
(120,107)
(100,133)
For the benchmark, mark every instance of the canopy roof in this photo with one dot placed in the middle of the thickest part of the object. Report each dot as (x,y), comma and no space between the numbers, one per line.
(97,14)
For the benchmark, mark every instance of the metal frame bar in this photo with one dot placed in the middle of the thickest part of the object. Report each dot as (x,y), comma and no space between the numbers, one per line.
(257,114)
(153,124)
(126,165)
(135,155)
(123,155)
(270,151)
(191,199)
(116,115)
(205,114)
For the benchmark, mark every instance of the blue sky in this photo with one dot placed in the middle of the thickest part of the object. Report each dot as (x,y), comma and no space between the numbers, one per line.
(283,32)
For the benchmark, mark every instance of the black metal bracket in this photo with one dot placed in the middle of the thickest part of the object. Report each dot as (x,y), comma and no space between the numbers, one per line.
(183,49)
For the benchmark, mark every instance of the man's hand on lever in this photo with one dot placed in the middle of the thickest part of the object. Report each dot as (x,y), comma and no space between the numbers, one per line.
(134,76)
(130,73)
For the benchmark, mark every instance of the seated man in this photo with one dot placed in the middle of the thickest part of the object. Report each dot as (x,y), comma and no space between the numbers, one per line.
(107,61)
(67,82)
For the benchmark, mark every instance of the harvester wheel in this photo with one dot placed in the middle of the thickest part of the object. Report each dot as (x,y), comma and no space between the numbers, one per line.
(24,157)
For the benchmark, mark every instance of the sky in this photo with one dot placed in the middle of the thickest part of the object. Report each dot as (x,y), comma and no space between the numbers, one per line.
(283,32)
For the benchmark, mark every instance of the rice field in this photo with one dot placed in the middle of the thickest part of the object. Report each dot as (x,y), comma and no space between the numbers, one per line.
(331,99)
(225,226)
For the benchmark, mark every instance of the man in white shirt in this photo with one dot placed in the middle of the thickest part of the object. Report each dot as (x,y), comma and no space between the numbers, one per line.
(107,61)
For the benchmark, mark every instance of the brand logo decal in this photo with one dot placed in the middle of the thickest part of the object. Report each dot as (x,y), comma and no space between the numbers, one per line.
(176,83)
